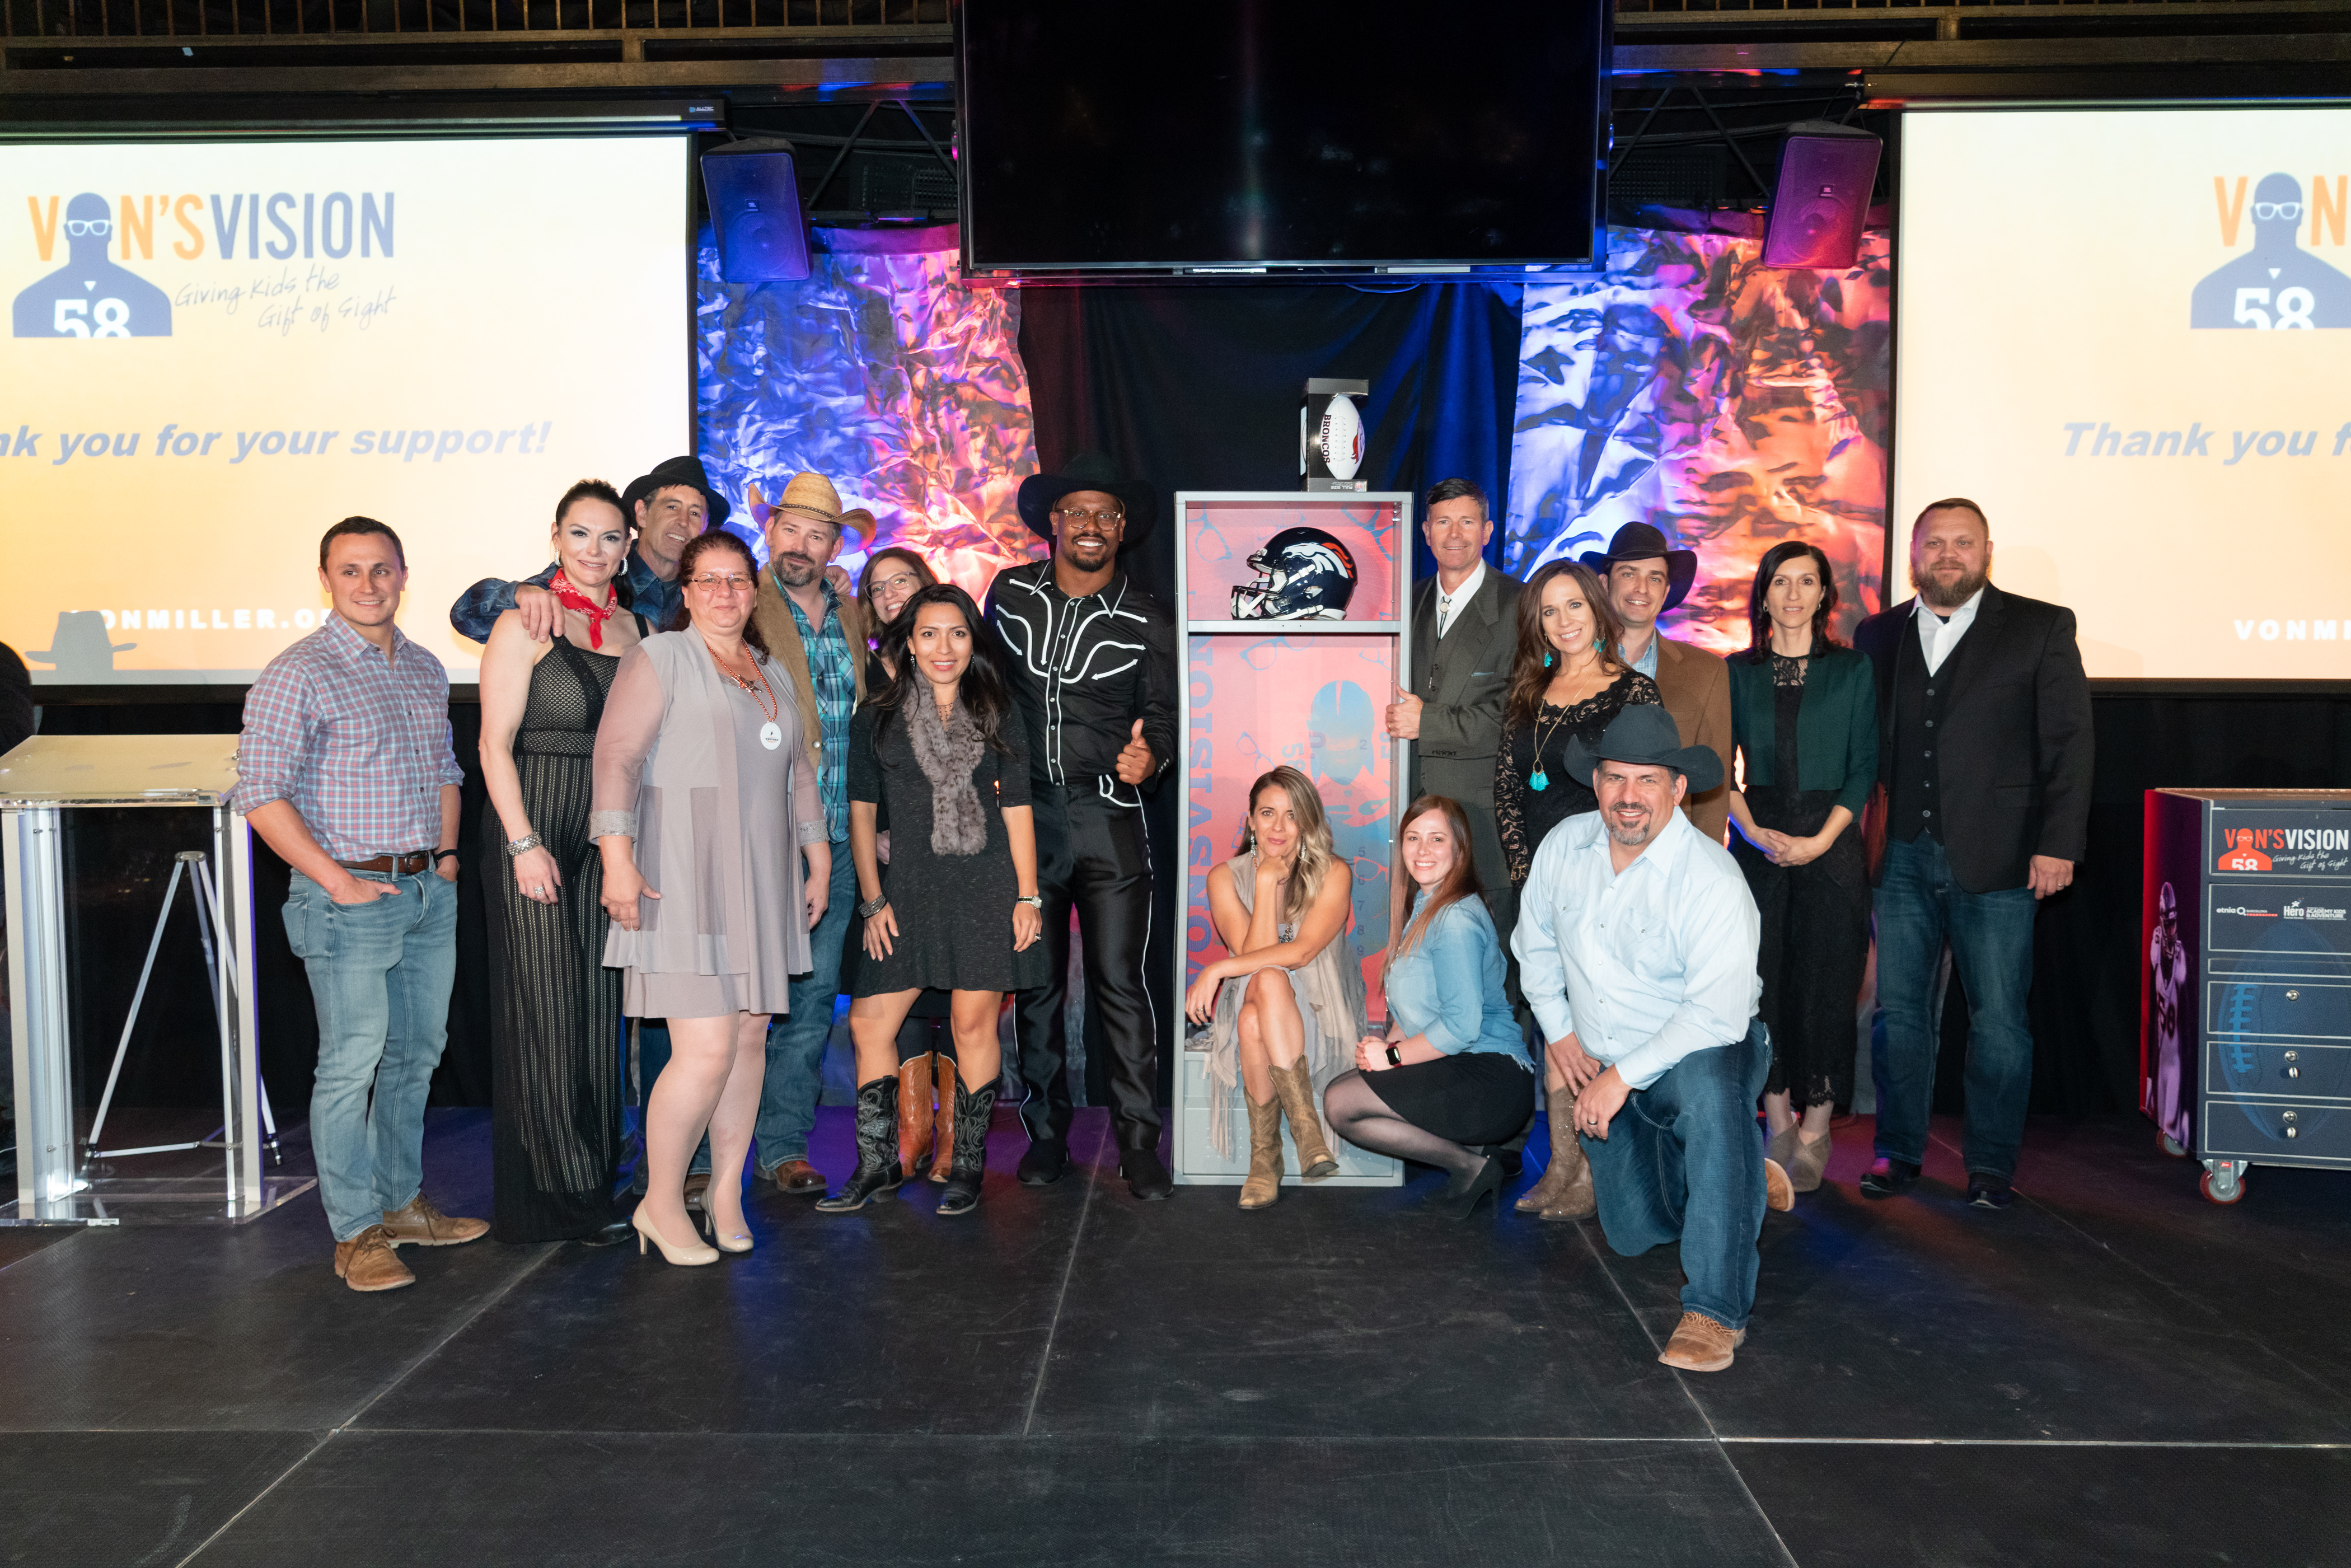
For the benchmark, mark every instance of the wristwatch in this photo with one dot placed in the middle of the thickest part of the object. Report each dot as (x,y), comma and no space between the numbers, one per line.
(1034,901)
(1395,1057)
(868,910)
(516,848)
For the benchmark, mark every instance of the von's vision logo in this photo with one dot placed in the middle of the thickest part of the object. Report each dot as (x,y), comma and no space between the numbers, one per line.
(90,296)
(2278,286)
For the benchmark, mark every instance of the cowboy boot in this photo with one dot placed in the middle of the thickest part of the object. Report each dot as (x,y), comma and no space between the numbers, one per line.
(914,1111)
(1264,1183)
(1565,1190)
(1294,1088)
(970,1149)
(877,1148)
(943,1067)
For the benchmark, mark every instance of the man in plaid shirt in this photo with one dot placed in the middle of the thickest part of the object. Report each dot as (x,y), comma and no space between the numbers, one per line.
(344,767)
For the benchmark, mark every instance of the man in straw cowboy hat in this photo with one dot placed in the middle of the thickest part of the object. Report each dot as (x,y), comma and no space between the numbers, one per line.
(667,507)
(1091,661)
(1636,943)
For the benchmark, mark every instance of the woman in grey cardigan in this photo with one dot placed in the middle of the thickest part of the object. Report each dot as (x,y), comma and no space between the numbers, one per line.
(706,806)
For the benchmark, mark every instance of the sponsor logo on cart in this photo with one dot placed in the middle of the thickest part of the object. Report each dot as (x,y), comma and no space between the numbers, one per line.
(2248,913)
(2298,910)
(2242,860)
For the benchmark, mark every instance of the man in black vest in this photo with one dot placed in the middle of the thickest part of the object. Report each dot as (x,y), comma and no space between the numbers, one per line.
(1984,759)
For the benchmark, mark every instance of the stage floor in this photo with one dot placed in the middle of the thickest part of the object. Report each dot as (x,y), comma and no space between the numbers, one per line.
(2111,1372)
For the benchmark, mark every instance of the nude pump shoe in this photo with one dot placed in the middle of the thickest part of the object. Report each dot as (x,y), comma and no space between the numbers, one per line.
(684,1257)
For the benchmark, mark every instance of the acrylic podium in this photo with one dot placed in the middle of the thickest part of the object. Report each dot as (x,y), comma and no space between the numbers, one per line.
(43,781)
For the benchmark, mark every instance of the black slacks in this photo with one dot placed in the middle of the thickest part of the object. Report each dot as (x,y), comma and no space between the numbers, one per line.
(1092,856)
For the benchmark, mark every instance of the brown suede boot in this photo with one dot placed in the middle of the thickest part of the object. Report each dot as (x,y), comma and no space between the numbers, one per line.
(943,1067)
(1264,1183)
(367,1262)
(915,1110)
(1565,1190)
(422,1225)
(1293,1088)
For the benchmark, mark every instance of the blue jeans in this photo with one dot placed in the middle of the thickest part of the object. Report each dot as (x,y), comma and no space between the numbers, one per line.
(1920,904)
(380,976)
(1684,1161)
(796,1041)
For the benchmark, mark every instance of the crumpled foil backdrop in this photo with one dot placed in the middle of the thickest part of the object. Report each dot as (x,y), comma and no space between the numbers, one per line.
(887,376)
(1730,404)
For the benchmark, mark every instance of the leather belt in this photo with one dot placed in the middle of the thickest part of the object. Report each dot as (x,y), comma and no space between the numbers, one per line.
(408,865)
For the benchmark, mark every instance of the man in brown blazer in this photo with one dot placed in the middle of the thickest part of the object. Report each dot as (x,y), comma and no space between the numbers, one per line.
(1646,578)
(1465,623)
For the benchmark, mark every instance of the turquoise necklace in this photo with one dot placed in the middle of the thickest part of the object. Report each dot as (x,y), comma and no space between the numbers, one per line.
(1540,781)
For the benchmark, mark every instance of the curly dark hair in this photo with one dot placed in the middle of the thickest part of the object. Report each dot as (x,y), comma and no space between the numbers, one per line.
(1758,618)
(1529,676)
(982,691)
(701,545)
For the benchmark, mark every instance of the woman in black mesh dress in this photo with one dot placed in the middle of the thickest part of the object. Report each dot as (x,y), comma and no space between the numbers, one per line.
(1566,682)
(555,1086)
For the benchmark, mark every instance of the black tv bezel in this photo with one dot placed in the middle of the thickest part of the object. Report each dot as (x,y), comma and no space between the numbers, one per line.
(1254,270)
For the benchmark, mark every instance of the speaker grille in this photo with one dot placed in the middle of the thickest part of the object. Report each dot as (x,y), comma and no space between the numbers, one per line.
(1823,198)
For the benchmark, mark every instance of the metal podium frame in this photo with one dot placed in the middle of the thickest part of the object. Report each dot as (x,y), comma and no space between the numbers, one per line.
(40,781)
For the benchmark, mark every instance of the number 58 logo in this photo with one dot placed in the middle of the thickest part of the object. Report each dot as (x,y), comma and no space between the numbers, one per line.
(107,318)
(2293,308)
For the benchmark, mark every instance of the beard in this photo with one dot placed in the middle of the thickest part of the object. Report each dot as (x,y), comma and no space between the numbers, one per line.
(798,571)
(1632,838)
(1957,594)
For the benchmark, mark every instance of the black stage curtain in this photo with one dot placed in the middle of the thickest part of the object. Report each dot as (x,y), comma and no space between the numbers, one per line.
(1199,389)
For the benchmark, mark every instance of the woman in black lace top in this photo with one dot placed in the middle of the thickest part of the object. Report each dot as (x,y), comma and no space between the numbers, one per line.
(1566,682)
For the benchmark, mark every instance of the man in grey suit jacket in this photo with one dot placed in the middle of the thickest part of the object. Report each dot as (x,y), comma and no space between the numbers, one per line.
(1465,624)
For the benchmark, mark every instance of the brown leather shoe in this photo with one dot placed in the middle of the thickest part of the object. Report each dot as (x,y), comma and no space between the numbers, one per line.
(1779,1192)
(1701,1344)
(800,1178)
(367,1262)
(422,1225)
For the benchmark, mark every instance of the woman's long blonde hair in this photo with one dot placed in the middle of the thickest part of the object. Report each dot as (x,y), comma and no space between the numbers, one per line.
(1315,854)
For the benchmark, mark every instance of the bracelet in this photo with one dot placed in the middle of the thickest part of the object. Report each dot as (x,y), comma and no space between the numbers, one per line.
(440,856)
(516,848)
(1034,900)
(1395,1057)
(868,910)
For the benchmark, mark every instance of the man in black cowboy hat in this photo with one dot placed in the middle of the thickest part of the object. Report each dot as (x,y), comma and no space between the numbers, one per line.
(1646,578)
(1636,943)
(668,506)
(1091,661)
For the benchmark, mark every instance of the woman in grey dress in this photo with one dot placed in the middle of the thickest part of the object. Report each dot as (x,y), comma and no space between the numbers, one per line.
(706,804)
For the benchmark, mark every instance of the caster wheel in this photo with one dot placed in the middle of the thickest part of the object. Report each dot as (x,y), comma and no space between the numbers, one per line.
(2169,1145)
(2215,1193)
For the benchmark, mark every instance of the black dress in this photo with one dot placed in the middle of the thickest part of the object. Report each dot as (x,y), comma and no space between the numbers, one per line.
(1815,919)
(953,912)
(1526,814)
(555,1024)
(919,1034)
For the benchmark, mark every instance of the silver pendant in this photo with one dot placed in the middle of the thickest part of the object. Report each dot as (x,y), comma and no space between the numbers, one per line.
(771,734)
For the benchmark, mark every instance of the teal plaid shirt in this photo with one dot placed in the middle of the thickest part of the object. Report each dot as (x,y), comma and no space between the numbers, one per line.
(835,681)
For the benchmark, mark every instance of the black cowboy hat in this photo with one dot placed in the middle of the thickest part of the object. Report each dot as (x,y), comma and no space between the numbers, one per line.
(1645,736)
(1040,493)
(1639,541)
(675,471)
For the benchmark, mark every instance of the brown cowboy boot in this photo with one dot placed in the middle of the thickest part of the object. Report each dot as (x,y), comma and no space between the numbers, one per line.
(1293,1087)
(942,1148)
(1264,1183)
(1565,1190)
(913,1111)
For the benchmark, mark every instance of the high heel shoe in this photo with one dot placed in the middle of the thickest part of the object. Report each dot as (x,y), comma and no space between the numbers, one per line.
(684,1257)
(733,1240)
(877,1148)
(1485,1185)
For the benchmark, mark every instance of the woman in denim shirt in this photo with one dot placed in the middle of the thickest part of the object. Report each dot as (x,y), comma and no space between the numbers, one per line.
(1451,1072)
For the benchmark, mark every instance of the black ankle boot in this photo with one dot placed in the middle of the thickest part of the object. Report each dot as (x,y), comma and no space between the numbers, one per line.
(971,1113)
(877,1148)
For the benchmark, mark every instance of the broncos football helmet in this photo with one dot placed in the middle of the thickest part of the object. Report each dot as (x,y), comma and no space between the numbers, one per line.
(1302,574)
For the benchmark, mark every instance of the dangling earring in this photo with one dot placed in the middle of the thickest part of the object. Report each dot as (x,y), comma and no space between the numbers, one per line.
(1546,658)
(1597,645)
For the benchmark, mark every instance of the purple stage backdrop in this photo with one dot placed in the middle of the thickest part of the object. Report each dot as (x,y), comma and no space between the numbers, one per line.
(1730,404)
(884,374)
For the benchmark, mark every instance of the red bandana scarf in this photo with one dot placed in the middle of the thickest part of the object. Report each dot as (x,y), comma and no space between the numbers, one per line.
(571,597)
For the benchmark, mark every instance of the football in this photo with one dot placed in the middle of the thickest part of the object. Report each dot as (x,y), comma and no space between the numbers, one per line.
(1340,441)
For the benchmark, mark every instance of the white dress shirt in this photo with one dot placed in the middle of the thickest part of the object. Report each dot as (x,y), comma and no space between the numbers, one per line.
(1938,635)
(1644,965)
(1450,606)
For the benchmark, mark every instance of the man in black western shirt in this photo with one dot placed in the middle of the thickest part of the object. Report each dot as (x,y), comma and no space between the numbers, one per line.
(1091,659)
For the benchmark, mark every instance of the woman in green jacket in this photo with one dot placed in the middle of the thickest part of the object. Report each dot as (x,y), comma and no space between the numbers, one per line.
(1804,715)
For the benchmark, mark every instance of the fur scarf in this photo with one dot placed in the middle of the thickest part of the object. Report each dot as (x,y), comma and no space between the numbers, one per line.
(948,751)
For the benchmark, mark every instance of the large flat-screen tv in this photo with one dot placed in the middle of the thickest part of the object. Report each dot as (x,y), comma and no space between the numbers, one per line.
(1222,135)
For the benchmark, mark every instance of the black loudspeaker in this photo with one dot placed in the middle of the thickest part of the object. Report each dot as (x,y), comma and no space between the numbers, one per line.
(1826,171)
(755,206)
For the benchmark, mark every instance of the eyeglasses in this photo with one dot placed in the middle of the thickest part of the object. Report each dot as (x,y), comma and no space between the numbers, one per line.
(1073,515)
(892,584)
(716,582)
(78,228)
(2265,211)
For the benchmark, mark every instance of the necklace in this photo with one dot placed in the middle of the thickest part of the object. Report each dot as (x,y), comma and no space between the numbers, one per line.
(1539,780)
(771,734)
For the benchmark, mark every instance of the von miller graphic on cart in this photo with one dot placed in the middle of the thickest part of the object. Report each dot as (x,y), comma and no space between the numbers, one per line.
(90,296)
(2279,285)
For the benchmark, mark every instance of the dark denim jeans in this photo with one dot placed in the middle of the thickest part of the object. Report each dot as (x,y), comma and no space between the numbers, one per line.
(381,975)
(1921,906)
(1684,1161)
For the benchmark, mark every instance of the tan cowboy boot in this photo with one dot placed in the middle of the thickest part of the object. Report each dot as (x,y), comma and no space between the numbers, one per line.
(1565,1190)
(1293,1087)
(913,1111)
(942,1161)
(1264,1183)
